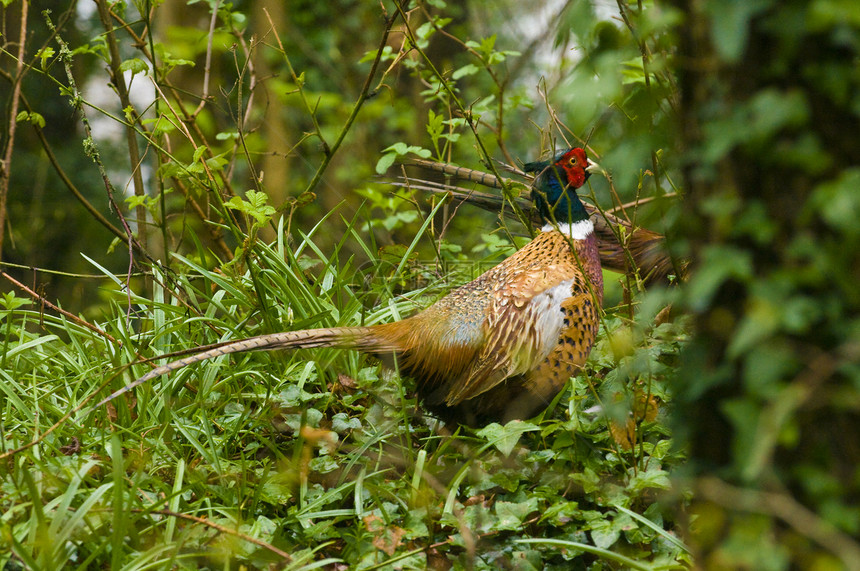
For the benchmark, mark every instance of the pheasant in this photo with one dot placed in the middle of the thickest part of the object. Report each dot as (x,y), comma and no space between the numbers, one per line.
(500,347)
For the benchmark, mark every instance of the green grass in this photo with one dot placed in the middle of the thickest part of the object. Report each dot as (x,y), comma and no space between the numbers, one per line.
(300,460)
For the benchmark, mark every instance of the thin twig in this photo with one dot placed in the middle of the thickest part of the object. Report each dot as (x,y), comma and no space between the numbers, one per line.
(131,135)
(6,165)
(311,110)
(92,151)
(182,113)
(52,158)
(365,92)
(207,69)
(223,529)
(215,233)
(468,116)
(62,420)
(70,316)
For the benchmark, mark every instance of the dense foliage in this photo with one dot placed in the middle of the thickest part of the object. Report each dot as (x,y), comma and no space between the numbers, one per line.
(217,166)
(769,386)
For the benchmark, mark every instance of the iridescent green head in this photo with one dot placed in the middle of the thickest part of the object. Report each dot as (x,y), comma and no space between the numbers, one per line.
(554,189)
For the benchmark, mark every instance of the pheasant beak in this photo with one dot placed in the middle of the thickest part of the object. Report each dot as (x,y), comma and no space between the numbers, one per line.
(593,167)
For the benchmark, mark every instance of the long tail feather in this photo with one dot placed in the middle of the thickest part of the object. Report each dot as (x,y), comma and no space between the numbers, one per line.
(463,173)
(345,337)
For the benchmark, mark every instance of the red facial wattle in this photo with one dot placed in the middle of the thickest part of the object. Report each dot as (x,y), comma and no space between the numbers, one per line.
(574,163)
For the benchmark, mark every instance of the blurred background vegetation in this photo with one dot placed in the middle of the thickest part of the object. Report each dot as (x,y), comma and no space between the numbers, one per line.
(732,126)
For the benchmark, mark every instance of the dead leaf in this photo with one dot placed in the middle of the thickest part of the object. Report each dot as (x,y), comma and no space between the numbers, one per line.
(73,447)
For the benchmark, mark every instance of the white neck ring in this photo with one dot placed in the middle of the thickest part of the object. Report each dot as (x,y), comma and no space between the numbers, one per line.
(574,230)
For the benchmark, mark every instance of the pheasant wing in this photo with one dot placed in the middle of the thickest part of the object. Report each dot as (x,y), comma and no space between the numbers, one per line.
(522,327)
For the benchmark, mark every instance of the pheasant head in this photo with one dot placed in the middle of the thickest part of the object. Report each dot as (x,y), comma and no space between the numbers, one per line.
(554,189)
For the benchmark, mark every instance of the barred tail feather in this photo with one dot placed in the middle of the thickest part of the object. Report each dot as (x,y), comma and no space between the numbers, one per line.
(362,338)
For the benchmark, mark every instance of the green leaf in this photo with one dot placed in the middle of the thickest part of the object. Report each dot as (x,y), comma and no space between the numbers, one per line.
(468,69)
(604,533)
(657,528)
(588,479)
(33,118)
(227,136)
(44,55)
(399,149)
(385,162)
(435,125)
(425,30)
(161,125)
(838,201)
(504,438)
(341,422)
(135,66)
(505,479)
(761,319)
(652,478)
(199,152)
(134,201)
(512,515)
(625,562)
(488,43)
(218,162)
(9,301)
(387,55)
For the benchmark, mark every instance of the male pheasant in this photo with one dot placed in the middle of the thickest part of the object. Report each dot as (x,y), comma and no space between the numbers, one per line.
(502,346)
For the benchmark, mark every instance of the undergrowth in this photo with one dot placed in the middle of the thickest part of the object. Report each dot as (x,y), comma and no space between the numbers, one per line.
(241,218)
(314,458)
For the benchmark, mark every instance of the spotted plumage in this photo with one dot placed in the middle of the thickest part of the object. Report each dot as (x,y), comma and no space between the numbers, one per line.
(502,346)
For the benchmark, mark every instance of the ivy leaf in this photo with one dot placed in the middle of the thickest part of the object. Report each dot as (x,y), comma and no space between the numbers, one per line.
(604,533)
(512,514)
(652,478)
(504,438)
(839,203)
(341,422)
